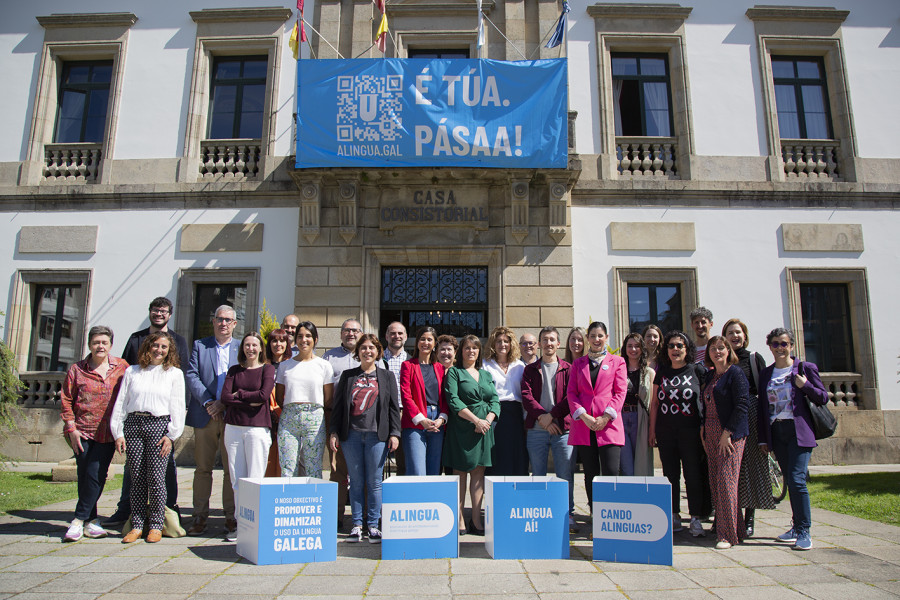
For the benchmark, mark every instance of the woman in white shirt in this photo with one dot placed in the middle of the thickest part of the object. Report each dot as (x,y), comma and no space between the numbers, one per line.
(303,387)
(147,419)
(502,362)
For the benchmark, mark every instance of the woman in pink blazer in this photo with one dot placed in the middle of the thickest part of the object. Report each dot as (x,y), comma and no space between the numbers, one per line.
(597,385)
(424,408)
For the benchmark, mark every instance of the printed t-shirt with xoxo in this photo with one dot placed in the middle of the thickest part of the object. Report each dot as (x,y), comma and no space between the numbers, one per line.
(678,395)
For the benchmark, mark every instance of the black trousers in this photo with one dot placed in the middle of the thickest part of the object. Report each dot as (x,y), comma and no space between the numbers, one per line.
(92,466)
(682,449)
(598,460)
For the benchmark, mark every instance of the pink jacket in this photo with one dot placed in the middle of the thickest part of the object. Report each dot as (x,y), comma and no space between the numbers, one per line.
(612,383)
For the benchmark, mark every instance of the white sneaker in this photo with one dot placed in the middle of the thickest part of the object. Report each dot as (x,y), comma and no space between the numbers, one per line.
(696,528)
(723,545)
(676,523)
(374,535)
(356,534)
(93,530)
(75,532)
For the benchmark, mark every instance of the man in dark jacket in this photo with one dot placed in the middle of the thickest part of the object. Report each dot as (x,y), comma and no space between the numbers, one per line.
(547,418)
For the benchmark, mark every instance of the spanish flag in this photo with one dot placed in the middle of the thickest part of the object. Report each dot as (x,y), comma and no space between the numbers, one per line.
(294,41)
(381,35)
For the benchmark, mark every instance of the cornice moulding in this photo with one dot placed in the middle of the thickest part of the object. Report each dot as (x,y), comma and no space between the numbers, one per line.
(87,20)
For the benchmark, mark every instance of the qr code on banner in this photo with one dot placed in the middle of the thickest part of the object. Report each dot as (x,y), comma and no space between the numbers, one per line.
(369,108)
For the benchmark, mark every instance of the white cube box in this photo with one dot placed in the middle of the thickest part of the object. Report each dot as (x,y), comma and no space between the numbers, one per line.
(285,520)
(527,517)
(419,517)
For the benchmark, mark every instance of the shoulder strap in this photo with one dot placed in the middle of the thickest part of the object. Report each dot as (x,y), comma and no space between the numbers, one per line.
(754,368)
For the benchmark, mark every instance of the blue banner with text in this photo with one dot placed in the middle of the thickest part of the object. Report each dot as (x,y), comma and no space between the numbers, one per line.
(423,112)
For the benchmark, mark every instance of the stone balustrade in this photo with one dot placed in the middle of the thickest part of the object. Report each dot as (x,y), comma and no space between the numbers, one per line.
(229,159)
(843,389)
(41,389)
(71,162)
(811,159)
(647,157)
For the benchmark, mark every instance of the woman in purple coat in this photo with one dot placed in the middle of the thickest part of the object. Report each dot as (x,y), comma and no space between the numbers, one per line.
(785,428)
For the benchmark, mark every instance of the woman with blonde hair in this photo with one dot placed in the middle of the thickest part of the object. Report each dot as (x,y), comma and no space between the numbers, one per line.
(575,344)
(510,456)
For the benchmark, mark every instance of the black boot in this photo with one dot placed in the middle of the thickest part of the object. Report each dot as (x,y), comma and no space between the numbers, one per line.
(748,521)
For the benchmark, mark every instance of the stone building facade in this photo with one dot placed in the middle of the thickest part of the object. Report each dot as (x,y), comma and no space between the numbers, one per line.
(720,202)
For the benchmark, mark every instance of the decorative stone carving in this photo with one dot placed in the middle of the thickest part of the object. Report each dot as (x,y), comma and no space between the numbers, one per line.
(518,206)
(558,201)
(822,237)
(347,203)
(310,209)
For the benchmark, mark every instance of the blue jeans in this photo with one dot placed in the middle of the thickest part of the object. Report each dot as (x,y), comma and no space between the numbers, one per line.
(423,448)
(794,461)
(365,455)
(630,422)
(92,467)
(540,443)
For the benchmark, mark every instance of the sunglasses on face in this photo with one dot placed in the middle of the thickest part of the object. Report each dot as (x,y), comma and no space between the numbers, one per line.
(780,344)
(674,346)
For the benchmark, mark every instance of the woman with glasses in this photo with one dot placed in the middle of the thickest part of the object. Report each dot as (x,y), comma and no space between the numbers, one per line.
(675,425)
(786,427)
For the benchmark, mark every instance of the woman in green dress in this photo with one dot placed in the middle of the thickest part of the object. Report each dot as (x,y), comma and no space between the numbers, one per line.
(474,407)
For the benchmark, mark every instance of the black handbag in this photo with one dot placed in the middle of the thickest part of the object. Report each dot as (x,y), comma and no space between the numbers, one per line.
(824,423)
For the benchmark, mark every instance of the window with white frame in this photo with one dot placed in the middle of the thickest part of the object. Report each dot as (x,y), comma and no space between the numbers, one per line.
(73,129)
(234,92)
(201,291)
(805,92)
(645,120)
(47,318)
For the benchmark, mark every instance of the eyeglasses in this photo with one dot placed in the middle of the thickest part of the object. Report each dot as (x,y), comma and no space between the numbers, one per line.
(349,330)
(527,343)
(779,344)
(674,346)
(226,320)
(159,311)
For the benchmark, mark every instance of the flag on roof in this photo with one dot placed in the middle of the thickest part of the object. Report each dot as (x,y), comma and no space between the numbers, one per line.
(294,41)
(557,38)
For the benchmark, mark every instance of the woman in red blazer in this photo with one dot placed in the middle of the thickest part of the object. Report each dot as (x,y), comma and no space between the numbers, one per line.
(597,385)
(424,407)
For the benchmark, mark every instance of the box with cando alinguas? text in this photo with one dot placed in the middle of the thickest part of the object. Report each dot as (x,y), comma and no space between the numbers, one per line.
(632,520)
(286,520)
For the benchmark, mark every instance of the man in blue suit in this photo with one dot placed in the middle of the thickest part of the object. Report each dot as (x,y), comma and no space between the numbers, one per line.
(210,359)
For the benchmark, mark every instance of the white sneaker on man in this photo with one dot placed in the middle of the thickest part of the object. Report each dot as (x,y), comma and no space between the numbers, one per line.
(696,528)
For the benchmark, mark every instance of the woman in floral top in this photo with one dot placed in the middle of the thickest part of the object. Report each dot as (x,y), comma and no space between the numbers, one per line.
(88,396)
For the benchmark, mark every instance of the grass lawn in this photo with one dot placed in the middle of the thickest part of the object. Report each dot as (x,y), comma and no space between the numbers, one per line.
(24,491)
(872,496)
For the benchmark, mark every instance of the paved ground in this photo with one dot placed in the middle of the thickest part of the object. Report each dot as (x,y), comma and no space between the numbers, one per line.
(852,559)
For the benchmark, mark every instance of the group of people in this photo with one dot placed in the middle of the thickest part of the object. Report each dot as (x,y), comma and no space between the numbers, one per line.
(271,406)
